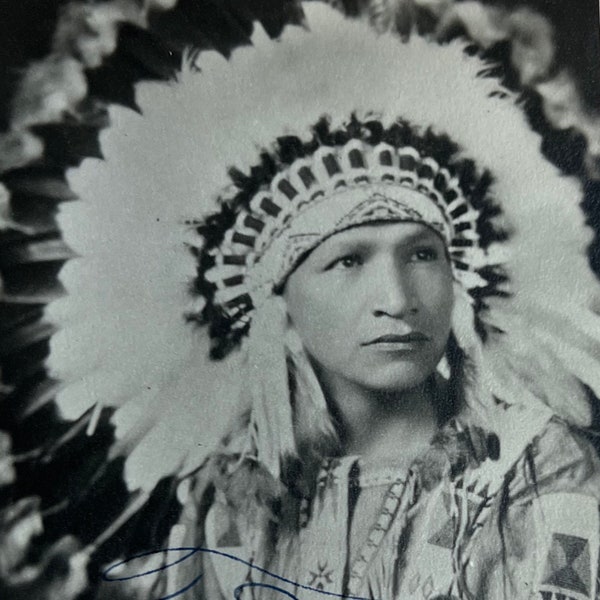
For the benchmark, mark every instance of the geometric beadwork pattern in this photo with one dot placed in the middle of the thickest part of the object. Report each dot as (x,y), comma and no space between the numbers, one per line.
(444,537)
(231,537)
(568,564)
(321,577)
(378,207)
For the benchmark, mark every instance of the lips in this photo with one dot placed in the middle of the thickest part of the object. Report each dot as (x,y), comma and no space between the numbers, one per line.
(392,338)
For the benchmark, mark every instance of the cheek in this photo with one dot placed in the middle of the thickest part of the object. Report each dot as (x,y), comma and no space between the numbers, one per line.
(319,319)
(436,296)
(320,324)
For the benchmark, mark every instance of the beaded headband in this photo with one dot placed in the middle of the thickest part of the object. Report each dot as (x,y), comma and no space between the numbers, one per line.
(336,188)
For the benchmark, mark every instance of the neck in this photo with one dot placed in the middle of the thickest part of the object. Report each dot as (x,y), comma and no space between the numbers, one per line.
(394,427)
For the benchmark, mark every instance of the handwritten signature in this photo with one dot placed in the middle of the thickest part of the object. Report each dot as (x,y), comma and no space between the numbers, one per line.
(238,591)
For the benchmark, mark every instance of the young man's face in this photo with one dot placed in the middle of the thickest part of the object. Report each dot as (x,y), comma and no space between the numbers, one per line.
(372,305)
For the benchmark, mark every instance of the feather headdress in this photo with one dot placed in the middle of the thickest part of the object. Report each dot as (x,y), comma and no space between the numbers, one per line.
(123,338)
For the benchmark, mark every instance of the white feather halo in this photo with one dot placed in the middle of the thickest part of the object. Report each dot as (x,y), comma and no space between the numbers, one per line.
(123,340)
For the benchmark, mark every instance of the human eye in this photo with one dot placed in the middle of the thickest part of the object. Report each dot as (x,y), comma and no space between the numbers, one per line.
(425,254)
(348,261)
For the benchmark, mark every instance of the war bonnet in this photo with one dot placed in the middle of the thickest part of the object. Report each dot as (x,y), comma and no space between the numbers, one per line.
(328,127)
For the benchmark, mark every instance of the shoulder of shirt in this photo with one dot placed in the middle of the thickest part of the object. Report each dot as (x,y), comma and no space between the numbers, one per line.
(561,459)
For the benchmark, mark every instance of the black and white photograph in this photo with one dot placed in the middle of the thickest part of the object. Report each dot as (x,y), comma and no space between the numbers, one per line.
(299,299)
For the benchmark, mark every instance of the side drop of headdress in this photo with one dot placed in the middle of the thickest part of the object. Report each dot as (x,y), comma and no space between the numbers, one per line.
(538,332)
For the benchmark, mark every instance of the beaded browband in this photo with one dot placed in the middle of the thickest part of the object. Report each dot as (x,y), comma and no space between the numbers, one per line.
(336,188)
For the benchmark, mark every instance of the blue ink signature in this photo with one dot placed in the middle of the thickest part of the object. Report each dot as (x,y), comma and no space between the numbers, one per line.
(191,551)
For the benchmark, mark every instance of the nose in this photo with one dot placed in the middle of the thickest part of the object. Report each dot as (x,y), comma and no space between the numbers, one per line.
(392,292)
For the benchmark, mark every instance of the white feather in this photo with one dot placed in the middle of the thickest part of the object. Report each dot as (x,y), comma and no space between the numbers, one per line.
(122,325)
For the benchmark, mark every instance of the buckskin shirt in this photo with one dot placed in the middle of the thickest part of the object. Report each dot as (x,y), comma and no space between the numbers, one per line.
(530,531)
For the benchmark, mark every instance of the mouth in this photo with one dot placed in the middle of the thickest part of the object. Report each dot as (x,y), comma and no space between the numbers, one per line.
(412,338)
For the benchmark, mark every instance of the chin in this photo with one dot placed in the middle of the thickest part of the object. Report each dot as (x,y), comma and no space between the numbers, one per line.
(398,379)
